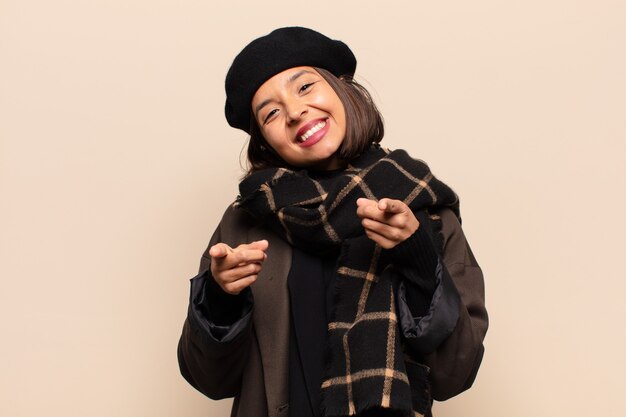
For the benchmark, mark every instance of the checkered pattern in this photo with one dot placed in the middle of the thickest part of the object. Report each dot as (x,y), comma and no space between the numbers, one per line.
(366,367)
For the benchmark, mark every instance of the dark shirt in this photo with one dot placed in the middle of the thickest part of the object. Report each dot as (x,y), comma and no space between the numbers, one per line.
(310,287)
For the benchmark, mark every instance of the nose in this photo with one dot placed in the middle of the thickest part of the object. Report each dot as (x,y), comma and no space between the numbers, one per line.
(294,109)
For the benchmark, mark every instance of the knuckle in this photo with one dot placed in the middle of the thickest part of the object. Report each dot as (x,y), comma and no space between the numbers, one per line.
(238,256)
(216,272)
(230,288)
(221,279)
(244,255)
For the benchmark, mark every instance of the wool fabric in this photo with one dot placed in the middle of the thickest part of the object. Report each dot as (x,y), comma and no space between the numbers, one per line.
(367,367)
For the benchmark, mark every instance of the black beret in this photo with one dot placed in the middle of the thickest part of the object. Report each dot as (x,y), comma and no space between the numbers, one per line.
(268,55)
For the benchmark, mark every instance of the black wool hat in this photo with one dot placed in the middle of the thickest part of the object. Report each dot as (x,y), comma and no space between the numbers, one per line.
(268,55)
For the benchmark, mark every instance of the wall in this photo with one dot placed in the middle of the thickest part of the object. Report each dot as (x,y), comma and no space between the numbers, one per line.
(116,164)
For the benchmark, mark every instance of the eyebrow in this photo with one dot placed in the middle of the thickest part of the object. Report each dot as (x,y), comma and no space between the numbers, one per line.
(290,80)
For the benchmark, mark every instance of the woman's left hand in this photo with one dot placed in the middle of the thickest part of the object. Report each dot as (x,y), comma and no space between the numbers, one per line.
(387,222)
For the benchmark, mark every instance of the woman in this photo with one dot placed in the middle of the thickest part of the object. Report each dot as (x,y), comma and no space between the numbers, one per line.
(340,282)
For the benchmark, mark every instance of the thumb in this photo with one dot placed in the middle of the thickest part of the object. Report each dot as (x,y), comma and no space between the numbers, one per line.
(391,206)
(219,250)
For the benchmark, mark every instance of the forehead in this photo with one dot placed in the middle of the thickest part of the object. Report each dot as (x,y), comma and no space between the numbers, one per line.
(281,80)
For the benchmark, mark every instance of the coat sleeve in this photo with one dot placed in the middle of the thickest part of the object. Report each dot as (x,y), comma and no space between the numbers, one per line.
(214,345)
(455,362)
(427,301)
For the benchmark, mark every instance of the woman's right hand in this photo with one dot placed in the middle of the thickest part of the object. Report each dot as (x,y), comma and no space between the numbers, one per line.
(237,268)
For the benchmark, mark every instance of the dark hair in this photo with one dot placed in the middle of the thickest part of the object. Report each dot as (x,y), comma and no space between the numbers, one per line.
(364,125)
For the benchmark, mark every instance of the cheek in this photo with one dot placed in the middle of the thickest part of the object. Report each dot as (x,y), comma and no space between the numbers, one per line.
(341,119)
(274,137)
(336,106)
(327,100)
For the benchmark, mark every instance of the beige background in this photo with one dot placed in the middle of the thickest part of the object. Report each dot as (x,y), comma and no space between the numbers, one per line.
(116,164)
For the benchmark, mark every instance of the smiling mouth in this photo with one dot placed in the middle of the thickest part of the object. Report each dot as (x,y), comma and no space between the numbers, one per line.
(306,135)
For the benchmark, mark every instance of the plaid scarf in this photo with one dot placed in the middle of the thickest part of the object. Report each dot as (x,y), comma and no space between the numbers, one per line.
(366,367)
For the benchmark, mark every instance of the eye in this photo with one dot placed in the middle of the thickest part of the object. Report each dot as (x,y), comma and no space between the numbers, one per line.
(269,115)
(306,87)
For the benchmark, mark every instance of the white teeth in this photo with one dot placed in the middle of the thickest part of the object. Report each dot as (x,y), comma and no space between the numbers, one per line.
(311,131)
